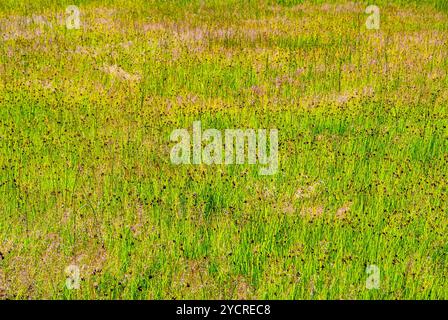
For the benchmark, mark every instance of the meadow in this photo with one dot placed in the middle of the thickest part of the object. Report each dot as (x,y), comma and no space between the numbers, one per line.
(86,181)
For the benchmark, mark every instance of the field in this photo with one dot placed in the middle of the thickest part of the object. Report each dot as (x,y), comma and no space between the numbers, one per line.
(91,207)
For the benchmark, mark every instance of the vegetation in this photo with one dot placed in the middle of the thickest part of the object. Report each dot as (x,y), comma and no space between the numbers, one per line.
(85,172)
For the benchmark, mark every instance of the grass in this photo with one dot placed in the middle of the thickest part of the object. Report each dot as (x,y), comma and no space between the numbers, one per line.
(85,172)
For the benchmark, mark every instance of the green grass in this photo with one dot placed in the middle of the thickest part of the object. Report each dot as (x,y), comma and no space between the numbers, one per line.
(85,172)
